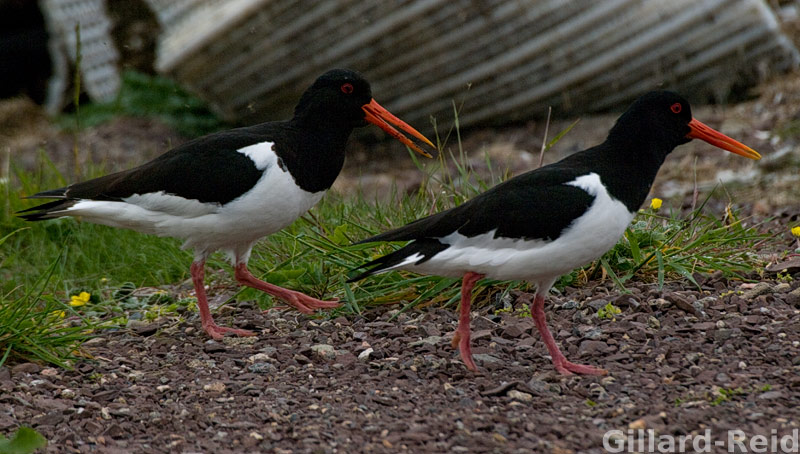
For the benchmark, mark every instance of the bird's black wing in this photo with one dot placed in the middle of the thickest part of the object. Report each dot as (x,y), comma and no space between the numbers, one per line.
(535,205)
(208,169)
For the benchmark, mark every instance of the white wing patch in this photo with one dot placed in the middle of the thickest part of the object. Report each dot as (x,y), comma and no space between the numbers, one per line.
(262,154)
(172,204)
(590,183)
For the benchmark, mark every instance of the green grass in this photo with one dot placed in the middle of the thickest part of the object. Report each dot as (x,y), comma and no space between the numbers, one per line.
(142,95)
(43,264)
(24,441)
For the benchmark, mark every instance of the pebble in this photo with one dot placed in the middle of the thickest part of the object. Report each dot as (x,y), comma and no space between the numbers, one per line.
(661,304)
(598,303)
(324,351)
(232,340)
(762,288)
(639,424)
(67,393)
(258,358)
(216,387)
(49,372)
(653,322)
(771,395)
(261,368)
(430,340)
(162,388)
(783,287)
(363,356)
(486,358)
(26,368)
(571,304)
(520,396)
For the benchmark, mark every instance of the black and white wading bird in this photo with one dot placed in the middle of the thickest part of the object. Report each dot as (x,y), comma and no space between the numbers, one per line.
(226,190)
(546,222)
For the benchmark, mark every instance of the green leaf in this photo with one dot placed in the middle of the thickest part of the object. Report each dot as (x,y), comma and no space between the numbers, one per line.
(561,134)
(25,441)
(340,235)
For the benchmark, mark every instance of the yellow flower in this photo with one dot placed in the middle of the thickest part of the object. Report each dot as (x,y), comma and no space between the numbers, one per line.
(79,300)
(796,231)
(59,314)
(655,204)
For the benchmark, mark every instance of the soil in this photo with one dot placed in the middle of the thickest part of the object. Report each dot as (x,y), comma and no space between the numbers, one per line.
(682,360)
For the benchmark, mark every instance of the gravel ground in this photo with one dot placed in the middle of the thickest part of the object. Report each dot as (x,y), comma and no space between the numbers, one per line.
(681,361)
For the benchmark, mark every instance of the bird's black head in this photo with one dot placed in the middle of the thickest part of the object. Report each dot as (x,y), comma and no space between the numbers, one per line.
(660,118)
(336,97)
(659,121)
(341,100)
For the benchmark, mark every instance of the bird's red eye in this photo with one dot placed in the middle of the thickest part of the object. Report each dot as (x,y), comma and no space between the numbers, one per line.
(676,108)
(347,88)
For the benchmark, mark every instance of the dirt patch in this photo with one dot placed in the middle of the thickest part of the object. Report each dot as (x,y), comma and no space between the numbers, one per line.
(680,360)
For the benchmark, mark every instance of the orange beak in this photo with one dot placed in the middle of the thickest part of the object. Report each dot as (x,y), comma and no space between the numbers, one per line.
(384,119)
(720,140)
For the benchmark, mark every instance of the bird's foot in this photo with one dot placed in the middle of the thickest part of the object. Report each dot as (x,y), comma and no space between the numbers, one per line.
(565,367)
(218,332)
(461,340)
(305,303)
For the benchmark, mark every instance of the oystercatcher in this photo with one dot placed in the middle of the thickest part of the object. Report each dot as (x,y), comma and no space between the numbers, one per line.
(224,191)
(546,222)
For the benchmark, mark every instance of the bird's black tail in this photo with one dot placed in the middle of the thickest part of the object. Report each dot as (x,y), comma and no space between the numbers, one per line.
(426,248)
(50,210)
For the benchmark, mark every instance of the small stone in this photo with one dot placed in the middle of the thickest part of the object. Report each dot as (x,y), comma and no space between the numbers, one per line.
(162,388)
(49,372)
(598,304)
(324,351)
(67,393)
(258,358)
(771,395)
(25,368)
(762,288)
(571,304)
(520,396)
(216,387)
(722,334)
(244,340)
(514,331)
(639,424)
(783,287)
(261,368)
(653,322)
(363,356)
(256,435)
(104,413)
(661,303)
(430,340)
(213,346)
(486,358)
(699,307)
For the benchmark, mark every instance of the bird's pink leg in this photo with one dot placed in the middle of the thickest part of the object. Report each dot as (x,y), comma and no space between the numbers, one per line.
(213,330)
(559,360)
(300,301)
(461,336)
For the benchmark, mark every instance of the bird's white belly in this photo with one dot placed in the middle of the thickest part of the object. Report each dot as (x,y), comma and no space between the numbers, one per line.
(272,204)
(586,239)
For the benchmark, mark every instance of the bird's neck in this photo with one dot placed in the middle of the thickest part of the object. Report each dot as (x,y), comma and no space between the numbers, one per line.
(628,169)
(319,154)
